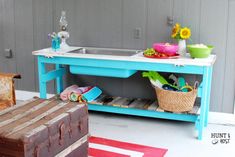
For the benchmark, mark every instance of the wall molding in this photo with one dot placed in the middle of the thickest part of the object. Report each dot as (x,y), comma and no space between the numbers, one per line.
(26,95)
(214,117)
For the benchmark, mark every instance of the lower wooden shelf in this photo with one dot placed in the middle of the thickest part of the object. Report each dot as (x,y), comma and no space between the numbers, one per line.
(139,107)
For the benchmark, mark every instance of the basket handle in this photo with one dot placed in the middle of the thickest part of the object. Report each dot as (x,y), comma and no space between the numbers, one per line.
(196,85)
(187,87)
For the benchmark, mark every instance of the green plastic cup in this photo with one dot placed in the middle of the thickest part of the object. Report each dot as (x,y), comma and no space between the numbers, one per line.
(199,52)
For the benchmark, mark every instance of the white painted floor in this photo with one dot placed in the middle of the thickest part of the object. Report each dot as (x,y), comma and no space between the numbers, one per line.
(178,137)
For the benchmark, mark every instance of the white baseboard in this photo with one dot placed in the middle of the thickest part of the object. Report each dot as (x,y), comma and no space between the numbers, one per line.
(222,118)
(214,117)
(26,95)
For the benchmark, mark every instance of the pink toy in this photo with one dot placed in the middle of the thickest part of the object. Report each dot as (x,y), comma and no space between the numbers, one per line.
(166,48)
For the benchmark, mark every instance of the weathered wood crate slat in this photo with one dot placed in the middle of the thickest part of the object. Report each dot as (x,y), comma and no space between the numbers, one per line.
(43,128)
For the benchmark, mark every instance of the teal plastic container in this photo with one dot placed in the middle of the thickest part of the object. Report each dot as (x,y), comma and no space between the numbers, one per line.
(101,71)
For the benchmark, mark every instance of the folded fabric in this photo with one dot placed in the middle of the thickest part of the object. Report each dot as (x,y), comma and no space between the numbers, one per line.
(76,95)
(74,89)
(81,90)
(65,94)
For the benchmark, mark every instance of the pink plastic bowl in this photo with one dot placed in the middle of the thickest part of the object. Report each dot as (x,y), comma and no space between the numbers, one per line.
(168,49)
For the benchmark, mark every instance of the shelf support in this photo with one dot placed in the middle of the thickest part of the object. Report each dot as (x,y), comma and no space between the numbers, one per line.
(204,101)
(41,73)
(59,79)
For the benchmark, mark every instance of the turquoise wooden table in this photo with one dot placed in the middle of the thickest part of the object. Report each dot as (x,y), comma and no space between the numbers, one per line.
(133,63)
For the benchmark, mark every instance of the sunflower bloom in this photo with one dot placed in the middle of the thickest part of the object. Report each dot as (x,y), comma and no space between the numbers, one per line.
(175,30)
(185,33)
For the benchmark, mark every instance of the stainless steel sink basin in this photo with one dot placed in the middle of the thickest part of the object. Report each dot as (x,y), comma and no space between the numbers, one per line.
(102,70)
(105,51)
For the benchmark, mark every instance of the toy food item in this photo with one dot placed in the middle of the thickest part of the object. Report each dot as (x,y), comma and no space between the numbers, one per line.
(199,46)
(149,52)
(160,55)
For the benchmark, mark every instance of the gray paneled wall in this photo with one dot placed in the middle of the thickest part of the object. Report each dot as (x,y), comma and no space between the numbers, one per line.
(229,71)
(24,43)
(157,29)
(42,24)
(7,37)
(24,25)
(213,30)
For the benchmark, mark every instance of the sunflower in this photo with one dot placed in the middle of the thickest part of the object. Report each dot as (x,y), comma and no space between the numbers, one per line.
(175,30)
(185,33)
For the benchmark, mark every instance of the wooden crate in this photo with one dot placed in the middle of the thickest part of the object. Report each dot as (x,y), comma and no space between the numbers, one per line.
(43,128)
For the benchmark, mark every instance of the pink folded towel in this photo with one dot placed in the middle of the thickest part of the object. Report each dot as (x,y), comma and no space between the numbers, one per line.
(74,89)
(65,94)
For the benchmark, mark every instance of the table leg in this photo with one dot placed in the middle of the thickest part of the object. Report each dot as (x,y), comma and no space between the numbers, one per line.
(59,81)
(41,74)
(204,102)
(208,95)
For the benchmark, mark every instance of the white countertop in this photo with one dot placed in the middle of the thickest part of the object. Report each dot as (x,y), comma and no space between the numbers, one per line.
(48,52)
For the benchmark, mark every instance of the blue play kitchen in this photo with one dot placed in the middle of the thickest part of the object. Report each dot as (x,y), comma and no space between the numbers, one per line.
(175,98)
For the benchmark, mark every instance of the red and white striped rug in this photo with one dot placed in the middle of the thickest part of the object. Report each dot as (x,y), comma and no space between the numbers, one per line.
(101,147)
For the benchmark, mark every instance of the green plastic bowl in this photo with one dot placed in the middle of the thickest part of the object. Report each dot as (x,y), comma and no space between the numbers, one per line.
(197,52)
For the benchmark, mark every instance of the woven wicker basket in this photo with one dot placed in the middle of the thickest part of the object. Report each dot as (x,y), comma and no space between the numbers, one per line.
(176,101)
